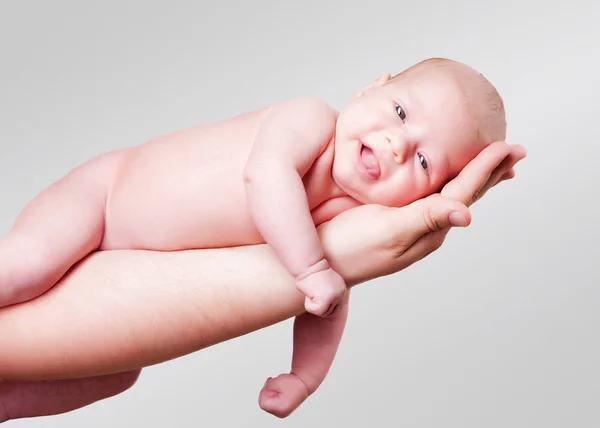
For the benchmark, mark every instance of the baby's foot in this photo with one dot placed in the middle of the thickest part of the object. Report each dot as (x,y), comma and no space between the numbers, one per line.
(324,291)
(282,395)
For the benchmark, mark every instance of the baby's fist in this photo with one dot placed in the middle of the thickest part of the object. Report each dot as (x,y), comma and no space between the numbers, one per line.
(324,290)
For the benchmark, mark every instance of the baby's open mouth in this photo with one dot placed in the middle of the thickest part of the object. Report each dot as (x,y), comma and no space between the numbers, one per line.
(369,161)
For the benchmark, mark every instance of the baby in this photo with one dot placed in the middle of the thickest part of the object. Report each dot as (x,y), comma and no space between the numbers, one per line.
(271,175)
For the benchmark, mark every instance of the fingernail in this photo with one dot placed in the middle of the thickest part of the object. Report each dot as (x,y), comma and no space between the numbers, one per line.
(457,219)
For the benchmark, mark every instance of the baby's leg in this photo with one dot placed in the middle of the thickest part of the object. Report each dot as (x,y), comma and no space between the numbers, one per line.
(316,340)
(56,229)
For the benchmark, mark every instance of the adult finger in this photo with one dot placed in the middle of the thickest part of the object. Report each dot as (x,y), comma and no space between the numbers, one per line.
(475,175)
(25,399)
(427,215)
(517,153)
(422,218)
(509,175)
(426,245)
(505,170)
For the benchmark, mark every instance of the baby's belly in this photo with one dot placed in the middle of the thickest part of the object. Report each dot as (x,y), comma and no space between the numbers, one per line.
(177,220)
(179,196)
(186,190)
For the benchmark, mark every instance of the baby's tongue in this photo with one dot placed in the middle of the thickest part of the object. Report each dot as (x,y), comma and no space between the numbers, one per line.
(369,159)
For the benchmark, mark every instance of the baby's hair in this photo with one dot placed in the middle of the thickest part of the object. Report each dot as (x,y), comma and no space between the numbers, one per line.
(484,101)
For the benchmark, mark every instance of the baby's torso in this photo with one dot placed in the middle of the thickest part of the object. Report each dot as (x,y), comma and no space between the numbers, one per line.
(185,190)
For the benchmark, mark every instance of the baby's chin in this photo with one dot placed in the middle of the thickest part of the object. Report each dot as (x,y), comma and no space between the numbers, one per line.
(374,198)
(349,190)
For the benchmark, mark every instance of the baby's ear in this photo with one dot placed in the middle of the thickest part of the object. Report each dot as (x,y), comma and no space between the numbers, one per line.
(385,77)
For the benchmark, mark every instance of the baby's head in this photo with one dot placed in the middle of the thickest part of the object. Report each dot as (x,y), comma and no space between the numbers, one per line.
(403,137)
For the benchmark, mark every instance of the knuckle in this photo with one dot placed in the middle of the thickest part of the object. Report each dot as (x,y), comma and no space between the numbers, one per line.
(430,220)
(476,195)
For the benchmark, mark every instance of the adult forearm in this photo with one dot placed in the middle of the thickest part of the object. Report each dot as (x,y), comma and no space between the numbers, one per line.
(127,309)
(122,310)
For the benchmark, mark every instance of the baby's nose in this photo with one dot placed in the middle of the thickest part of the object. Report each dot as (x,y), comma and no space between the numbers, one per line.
(400,147)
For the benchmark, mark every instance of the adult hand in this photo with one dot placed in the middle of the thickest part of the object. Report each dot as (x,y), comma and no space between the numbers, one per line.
(395,238)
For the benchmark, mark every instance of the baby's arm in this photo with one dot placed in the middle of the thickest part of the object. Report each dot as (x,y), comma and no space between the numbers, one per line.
(292,136)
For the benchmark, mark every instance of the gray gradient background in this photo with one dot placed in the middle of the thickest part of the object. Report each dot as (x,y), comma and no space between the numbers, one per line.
(495,329)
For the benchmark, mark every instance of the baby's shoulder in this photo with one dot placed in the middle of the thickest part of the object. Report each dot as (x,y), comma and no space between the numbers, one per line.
(309,104)
(305,110)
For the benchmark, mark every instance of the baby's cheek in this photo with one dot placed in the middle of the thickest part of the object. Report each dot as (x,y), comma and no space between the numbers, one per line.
(397,195)
(442,181)
(369,120)
(414,191)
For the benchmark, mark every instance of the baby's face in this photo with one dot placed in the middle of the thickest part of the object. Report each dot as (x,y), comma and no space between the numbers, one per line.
(401,141)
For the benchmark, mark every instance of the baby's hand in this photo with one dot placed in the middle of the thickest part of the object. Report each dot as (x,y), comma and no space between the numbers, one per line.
(323,287)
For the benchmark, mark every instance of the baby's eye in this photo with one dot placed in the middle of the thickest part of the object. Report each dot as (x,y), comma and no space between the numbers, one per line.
(400,112)
(423,161)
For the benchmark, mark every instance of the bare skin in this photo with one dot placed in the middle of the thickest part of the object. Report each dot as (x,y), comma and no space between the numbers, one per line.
(383,241)
(270,175)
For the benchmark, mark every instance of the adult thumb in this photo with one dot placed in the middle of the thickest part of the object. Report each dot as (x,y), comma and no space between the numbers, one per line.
(434,213)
